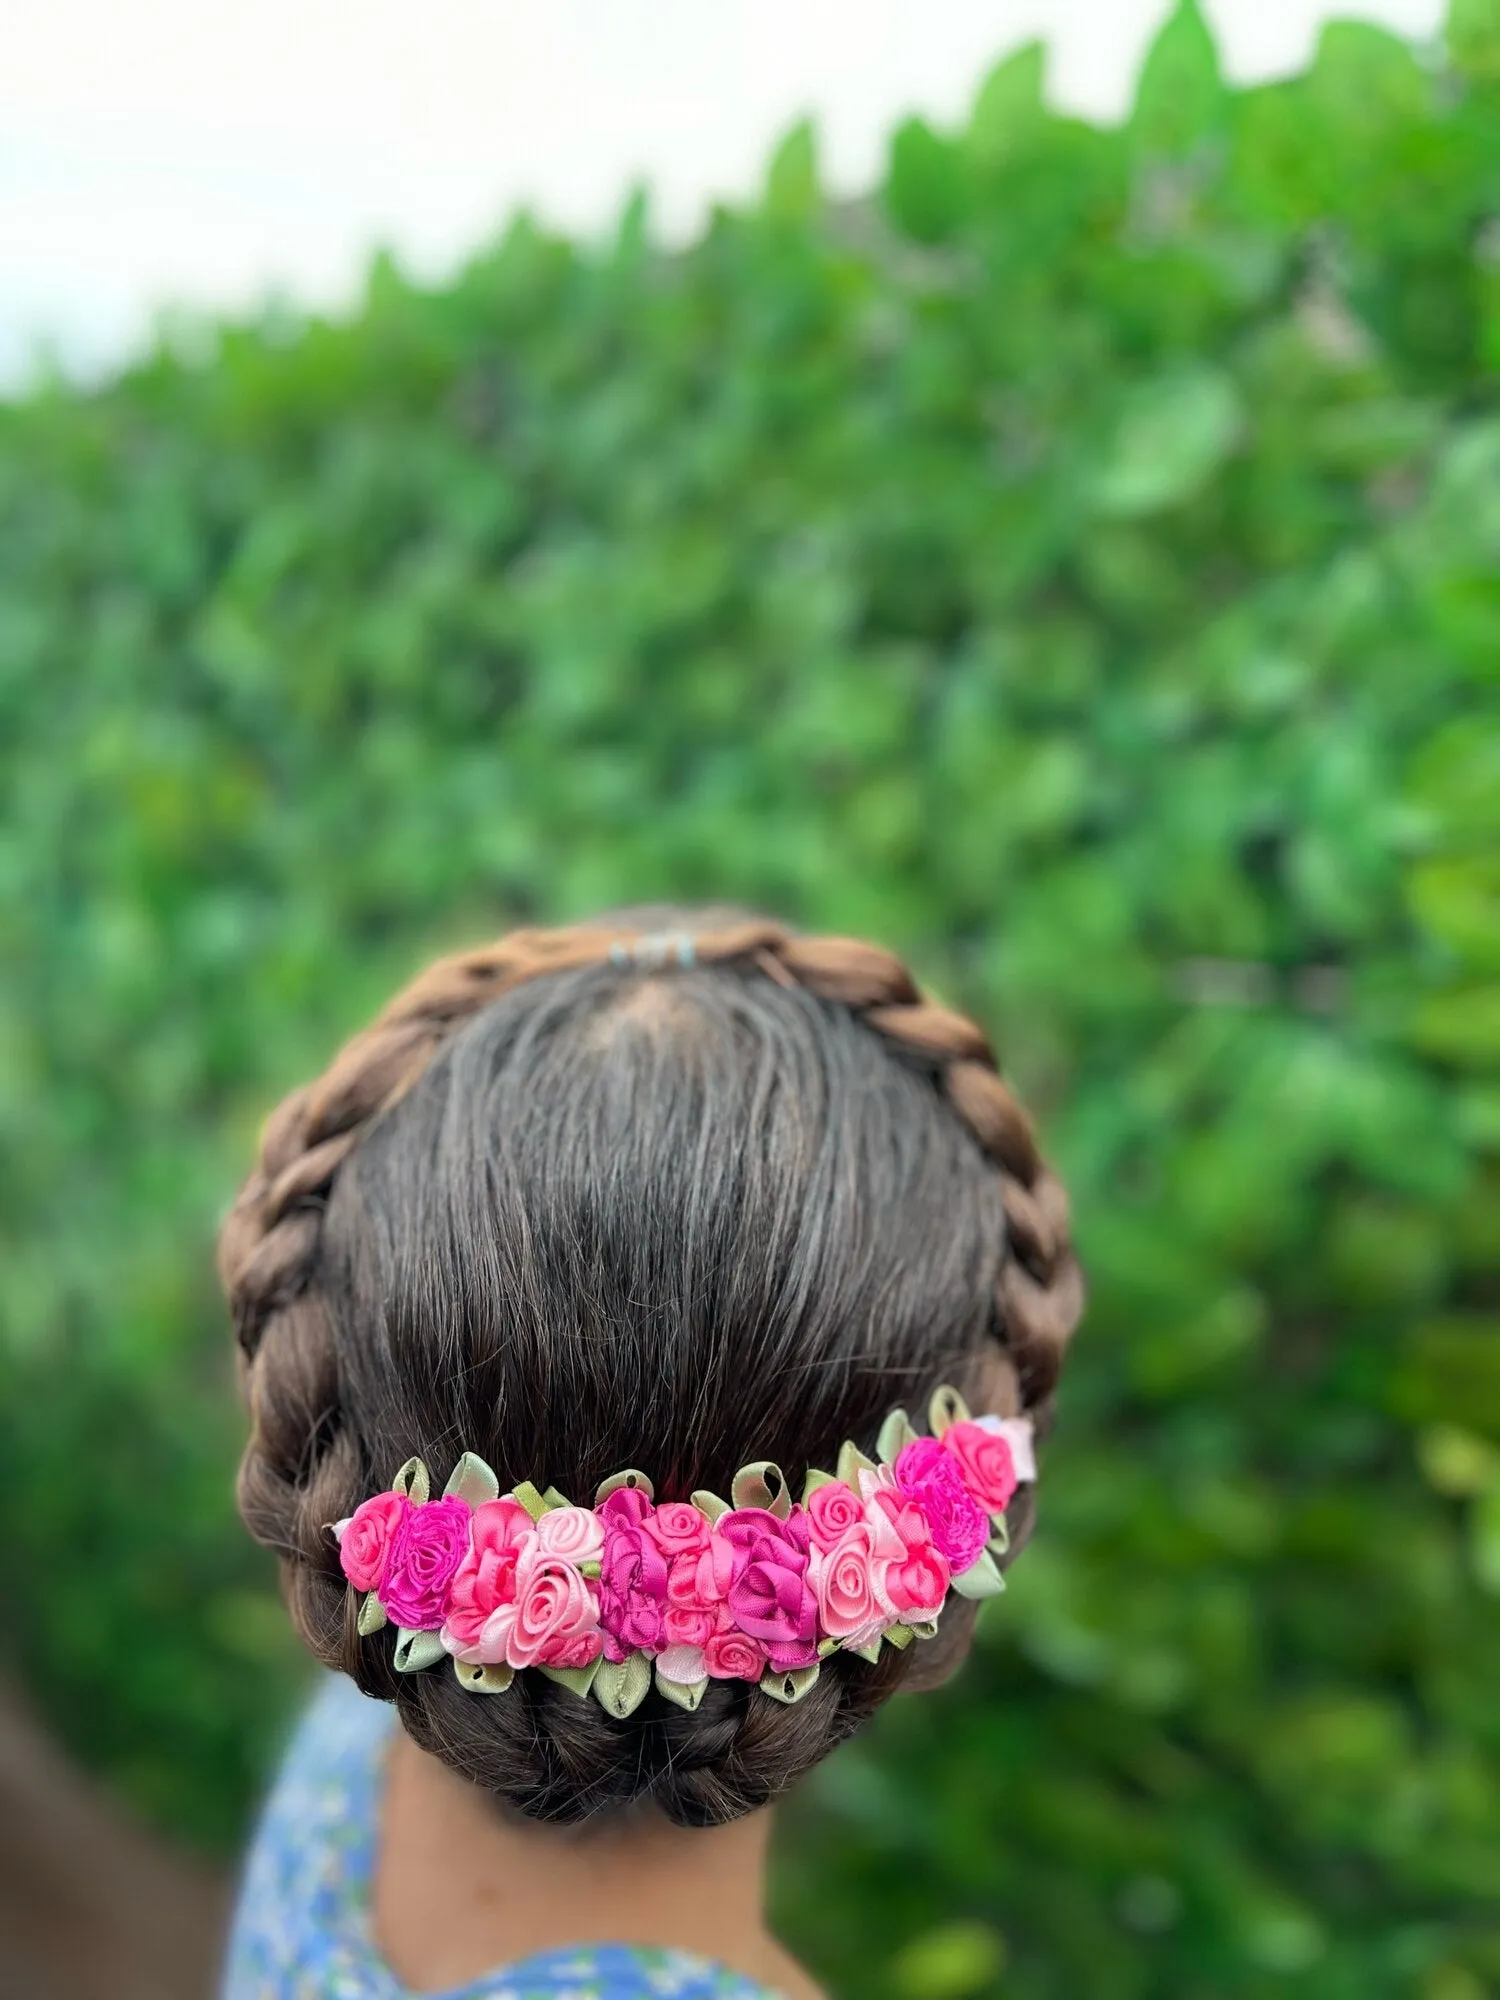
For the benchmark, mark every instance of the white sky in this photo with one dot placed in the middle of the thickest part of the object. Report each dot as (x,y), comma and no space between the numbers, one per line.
(200,153)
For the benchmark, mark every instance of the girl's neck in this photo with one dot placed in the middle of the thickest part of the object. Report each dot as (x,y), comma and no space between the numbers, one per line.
(460,1890)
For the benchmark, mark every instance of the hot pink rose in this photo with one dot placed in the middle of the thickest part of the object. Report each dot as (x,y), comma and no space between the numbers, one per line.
(678,1529)
(960,1527)
(365,1538)
(484,1585)
(916,1581)
(848,1581)
(633,1578)
(832,1511)
(426,1549)
(574,1533)
(734,1656)
(985,1464)
(770,1598)
(556,1621)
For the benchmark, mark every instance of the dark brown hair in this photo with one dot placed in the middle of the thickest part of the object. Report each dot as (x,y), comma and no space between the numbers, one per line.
(574,1205)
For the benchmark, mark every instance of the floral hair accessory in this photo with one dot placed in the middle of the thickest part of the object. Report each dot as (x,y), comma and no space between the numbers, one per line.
(606,1599)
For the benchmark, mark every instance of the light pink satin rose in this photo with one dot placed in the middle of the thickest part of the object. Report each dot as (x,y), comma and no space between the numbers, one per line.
(683,1664)
(832,1510)
(365,1538)
(917,1581)
(848,1581)
(985,1464)
(481,1608)
(555,1622)
(1020,1434)
(574,1533)
(678,1529)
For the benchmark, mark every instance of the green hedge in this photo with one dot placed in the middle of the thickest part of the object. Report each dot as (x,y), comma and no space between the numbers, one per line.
(1080,567)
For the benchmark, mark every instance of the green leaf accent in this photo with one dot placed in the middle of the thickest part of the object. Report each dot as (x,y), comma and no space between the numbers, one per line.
(637,1481)
(947,1407)
(552,1500)
(710,1505)
(413,1481)
(621,1689)
(789,1687)
(579,1679)
(852,1462)
(472,1480)
(686,1694)
(980,1580)
(924,1628)
(371,1615)
(814,1480)
(999,1542)
(591,1568)
(896,1434)
(416,1650)
(826,1647)
(870,1652)
(526,1495)
(899,1636)
(479,1679)
(762,1484)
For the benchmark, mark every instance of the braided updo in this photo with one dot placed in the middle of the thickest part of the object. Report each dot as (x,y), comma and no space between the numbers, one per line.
(572,1207)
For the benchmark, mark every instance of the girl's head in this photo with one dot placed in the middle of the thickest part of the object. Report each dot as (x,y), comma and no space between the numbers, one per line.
(577,1202)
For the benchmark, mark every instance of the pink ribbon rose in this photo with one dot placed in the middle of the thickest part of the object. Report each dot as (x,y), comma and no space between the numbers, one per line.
(481,1605)
(365,1538)
(556,1619)
(430,1542)
(832,1510)
(770,1598)
(734,1656)
(985,1464)
(678,1529)
(633,1577)
(574,1533)
(916,1581)
(929,1477)
(848,1581)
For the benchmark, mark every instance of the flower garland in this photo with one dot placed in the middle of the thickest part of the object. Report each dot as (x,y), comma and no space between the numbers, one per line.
(757,1589)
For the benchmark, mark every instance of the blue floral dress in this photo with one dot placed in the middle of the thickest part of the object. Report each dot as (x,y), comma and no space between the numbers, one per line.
(302,1930)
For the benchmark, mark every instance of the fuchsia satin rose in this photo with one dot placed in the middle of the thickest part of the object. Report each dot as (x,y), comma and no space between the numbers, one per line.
(556,1622)
(632,1579)
(985,1463)
(481,1604)
(916,1582)
(426,1549)
(848,1581)
(929,1476)
(770,1598)
(832,1510)
(574,1533)
(365,1538)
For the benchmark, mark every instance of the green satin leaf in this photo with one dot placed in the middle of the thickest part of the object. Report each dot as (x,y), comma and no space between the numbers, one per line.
(870,1652)
(980,1580)
(852,1462)
(686,1694)
(412,1480)
(552,1500)
(924,1628)
(593,1568)
(526,1495)
(579,1679)
(999,1542)
(762,1484)
(636,1481)
(483,1679)
(710,1505)
(472,1480)
(899,1636)
(416,1650)
(788,1687)
(896,1434)
(371,1615)
(814,1480)
(621,1689)
(947,1407)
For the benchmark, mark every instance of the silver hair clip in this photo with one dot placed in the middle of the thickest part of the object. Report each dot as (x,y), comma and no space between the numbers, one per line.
(656,949)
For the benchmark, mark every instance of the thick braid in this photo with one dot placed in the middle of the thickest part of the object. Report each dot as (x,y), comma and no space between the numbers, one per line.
(549,1753)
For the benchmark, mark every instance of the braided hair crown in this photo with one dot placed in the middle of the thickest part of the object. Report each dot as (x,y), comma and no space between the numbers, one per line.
(592,1196)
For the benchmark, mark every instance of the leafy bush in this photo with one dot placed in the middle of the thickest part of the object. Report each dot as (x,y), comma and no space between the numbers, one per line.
(1079,567)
